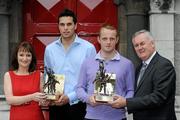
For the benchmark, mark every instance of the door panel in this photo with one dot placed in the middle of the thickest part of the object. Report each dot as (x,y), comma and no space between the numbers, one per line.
(40,23)
(91,15)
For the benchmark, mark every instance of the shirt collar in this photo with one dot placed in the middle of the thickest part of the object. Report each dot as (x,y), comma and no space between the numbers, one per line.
(116,56)
(150,58)
(76,40)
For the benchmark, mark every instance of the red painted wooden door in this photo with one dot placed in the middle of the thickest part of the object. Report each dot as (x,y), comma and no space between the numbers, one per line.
(40,21)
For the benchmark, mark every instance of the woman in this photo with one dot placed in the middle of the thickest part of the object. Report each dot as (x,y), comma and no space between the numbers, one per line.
(23,85)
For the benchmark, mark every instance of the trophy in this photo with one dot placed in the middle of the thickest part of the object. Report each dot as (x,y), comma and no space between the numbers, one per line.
(54,84)
(104,84)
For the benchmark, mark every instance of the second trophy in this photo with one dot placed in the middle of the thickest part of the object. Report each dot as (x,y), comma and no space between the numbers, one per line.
(54,84)
(104,84)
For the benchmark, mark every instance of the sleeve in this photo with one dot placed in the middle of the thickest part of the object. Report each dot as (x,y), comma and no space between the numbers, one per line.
(81,88)
(130,78)
(72,97)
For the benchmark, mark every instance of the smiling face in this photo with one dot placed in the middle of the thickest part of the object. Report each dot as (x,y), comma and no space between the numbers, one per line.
(24,58)
(67,27)
(143,45)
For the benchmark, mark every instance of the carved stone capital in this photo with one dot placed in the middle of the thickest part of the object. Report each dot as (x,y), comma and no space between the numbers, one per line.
(137,6)
(162,5)
(118,2)
(4,5)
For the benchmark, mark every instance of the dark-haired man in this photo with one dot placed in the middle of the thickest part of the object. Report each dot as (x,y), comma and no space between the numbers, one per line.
(65,56)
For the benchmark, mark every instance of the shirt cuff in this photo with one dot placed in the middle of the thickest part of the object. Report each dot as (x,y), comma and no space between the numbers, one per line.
(72,98)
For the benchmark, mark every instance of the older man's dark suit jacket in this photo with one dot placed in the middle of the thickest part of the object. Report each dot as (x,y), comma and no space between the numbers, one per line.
(155,95)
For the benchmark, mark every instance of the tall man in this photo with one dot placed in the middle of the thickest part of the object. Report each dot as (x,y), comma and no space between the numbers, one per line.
(65,56)
(113,63)
(155,92)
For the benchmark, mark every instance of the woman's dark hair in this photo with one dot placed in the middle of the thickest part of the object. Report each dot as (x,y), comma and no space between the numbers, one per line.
(24,46)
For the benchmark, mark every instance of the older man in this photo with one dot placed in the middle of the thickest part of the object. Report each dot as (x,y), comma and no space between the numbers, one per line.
(155,83)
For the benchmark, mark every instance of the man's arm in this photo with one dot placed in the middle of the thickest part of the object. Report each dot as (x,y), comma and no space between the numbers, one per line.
(163,88)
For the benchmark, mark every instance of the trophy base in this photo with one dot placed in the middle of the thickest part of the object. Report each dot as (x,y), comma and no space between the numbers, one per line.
(52,97)
(103,98)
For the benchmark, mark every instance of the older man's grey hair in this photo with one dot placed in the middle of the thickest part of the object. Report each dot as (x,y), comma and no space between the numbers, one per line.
(148,34)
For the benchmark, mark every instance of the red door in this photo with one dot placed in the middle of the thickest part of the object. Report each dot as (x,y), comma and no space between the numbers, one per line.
(40,21)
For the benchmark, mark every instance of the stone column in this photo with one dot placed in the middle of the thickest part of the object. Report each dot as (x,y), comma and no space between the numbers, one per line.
(177,55)
(176,45)
(137,19)
(4,54)
(4,40)
(162,26)
(122,27)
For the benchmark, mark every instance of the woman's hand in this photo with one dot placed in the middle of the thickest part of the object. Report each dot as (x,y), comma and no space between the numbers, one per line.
(38,97)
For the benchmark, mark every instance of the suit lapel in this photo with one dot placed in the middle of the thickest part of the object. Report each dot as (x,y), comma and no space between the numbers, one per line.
(147,71)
